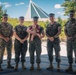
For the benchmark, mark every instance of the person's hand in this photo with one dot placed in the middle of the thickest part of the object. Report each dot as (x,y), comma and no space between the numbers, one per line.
(75,35)
(39,36)
(7,39)
(51,39)
(21,41)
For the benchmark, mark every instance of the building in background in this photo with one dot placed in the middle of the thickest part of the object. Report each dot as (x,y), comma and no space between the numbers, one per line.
(34,10)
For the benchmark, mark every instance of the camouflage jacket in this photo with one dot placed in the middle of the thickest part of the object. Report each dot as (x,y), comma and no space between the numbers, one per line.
(70,27)
(6,29)
(21,31)
(52,30)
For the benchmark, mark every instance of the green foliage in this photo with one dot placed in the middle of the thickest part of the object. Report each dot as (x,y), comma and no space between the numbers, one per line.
(15,22)
(62,22)
(59,20)
(46,23)
(1,13)
(69,5)
(63,25)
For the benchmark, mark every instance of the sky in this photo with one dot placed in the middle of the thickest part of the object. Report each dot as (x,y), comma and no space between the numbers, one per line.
(16,8)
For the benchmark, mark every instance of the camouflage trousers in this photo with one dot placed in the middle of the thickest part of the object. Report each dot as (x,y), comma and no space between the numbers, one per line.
(20,49)
(8,46)
(35,45)
(71,46)
(56,45)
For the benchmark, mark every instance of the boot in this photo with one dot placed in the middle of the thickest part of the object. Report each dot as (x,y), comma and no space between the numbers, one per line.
(75,72)
(58,66)
(38,67)
(23,66)
(16,67)
(50,67)
(1,68)
(69,69)
(75,60)
(9,66)
(32,67)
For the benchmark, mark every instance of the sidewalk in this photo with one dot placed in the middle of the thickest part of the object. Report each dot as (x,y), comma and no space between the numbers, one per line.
(44,64)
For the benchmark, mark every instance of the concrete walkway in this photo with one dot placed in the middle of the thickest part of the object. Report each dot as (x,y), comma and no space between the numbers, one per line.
(44,64)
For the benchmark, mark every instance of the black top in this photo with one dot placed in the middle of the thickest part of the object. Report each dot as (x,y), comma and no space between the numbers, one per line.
(21,31)
(52,30)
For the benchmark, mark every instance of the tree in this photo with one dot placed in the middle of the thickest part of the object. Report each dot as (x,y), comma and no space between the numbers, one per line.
(69,5)
(1,13)
(59,20)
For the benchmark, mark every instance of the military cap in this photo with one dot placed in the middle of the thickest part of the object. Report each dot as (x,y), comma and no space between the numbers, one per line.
(72,12)
(51,15)
(5,15)
(21,18)
(35,18)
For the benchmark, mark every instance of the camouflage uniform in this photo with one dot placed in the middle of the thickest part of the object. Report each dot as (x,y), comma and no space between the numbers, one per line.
(19,47)
(70,29)
(52,30)
(35,45)
(6,30)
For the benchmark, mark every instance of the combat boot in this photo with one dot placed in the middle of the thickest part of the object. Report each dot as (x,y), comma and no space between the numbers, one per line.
(75,60)
(50,67)
(16,67)
(9,66)
(23,66)
(38,67)
(1,68)
(69,69)
(58,66)
(75,72)
(32,67)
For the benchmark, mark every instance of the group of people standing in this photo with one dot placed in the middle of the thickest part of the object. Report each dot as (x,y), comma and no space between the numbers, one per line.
(35,33)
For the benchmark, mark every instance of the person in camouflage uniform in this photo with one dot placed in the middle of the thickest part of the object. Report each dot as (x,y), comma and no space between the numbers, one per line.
(70,32)
(20,44)
(53,31)
(6,32)
(35,44)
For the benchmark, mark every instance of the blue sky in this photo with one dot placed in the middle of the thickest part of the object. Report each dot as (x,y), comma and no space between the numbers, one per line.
(16,8)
